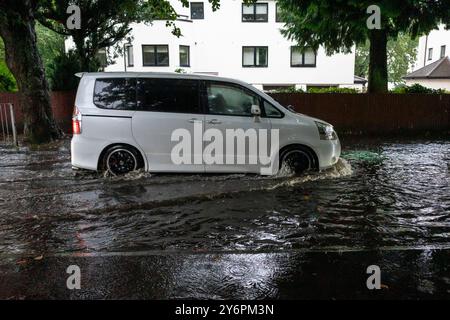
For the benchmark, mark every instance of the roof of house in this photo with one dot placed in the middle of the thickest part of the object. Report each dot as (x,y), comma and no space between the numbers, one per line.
(436,70)
(360,80)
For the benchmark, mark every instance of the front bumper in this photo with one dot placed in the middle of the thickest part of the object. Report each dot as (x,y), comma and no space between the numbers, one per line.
(328,152)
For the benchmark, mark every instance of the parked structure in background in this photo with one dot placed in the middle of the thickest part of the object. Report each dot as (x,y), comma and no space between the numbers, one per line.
(8,131)
(432,69)
(238,41)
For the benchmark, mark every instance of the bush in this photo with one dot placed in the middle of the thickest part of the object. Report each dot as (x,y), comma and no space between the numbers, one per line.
(62,72)
(332,90)
(7,81)
(417,88)
(288,90)
(316,90)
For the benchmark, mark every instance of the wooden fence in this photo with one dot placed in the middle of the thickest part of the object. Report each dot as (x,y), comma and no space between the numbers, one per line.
(62,105)
(374,113)
(377,114)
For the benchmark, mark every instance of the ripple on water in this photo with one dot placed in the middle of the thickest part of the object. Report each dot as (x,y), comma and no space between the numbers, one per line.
(384,195)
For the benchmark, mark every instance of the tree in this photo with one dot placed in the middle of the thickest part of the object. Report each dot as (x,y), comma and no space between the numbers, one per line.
(17,29)
(104,23)
(340,25)
(402,54)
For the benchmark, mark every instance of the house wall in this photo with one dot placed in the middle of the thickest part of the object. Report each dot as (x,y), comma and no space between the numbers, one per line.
(216,47)
(436,39)
(431,83)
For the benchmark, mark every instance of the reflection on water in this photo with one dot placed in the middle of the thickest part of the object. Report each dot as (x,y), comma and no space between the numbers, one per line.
(384,195)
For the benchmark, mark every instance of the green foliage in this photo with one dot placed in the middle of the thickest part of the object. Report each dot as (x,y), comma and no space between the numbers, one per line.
(417,88)
(180,70)
(289,90)
(316,90)
(338,25)
(402,54)
(7,81)
(50,45)
(62,71)
(332,90)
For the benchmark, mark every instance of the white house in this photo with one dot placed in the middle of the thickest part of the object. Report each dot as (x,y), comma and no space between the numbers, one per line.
(432,68)
(236,41)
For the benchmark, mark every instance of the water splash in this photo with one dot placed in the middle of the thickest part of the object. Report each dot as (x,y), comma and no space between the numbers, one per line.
(341,169)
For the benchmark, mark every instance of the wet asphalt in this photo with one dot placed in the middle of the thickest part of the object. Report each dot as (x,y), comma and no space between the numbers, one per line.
(229,236)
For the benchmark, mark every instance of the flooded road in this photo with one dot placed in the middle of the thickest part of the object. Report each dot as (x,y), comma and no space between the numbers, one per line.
(217,236)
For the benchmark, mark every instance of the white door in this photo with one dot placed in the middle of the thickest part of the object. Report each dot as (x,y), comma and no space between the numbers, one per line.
(166,108)
(229,112)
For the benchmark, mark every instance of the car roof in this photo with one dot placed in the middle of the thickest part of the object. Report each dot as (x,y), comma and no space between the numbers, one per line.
(174,75)
(167,75)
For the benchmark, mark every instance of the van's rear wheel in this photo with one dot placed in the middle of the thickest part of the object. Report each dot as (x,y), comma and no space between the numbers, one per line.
(298,160)
(119,160)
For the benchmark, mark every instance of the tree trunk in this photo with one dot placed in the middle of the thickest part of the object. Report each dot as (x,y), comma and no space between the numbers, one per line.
(81,52)
(17,28)
(378,72)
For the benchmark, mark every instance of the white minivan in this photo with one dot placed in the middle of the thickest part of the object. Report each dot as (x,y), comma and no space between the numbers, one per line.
(169,122)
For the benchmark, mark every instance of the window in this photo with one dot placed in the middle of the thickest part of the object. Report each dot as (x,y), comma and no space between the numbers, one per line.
(430,54)
(130,55)
(257,12)
(155,55)
(443,49)
(226,99)
(271,111)
(278,14)
(117,94)
(255,56)
(168,95)
(302,58)
(102,57)
(184,56)
(197,11)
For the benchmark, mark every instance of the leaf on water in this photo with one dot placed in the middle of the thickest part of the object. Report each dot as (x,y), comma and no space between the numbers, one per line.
(39,258)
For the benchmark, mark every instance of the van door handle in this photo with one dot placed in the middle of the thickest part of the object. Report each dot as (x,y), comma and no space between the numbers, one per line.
(215,121)
(193,120)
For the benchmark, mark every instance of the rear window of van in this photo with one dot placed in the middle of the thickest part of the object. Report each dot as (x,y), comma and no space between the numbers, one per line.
(116,94)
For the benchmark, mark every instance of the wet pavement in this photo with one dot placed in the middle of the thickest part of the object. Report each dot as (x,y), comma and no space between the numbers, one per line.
(229,236)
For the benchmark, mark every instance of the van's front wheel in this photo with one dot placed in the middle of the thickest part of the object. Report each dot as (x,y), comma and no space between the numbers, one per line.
(119,160)
(298,160)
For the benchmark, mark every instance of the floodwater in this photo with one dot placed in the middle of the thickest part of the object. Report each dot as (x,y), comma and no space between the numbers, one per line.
(231,236)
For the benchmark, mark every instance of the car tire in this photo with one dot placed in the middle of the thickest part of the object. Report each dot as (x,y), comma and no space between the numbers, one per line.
(119,160)
(298,160)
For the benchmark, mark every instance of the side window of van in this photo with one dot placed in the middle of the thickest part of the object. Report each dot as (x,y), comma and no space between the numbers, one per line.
(116,94)
(271,111)
(224,99)
(169,95)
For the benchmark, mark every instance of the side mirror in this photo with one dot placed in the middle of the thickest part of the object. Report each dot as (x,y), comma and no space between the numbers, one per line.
(256,110)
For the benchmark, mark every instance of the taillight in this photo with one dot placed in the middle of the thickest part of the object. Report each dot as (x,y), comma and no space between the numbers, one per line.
(76,121)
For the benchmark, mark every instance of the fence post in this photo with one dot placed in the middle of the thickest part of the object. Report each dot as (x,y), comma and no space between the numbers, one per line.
(1,120)
(13,124)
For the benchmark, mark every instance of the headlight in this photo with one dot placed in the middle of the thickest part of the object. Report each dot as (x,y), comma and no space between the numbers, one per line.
(326,131)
